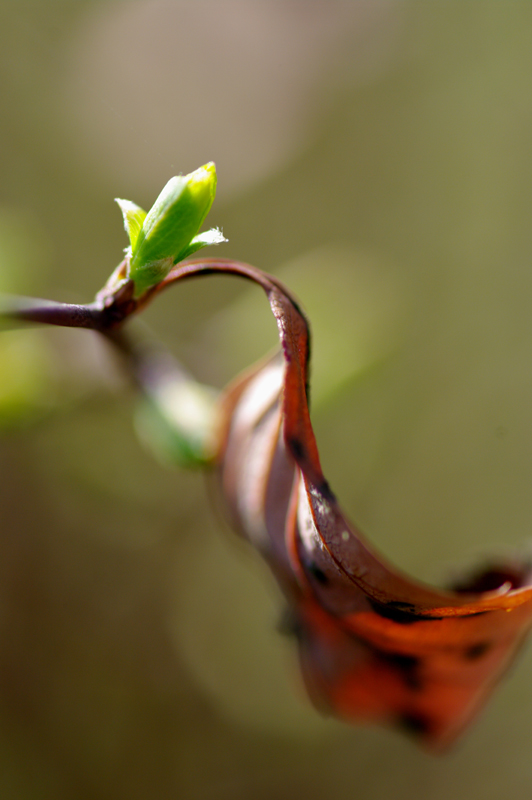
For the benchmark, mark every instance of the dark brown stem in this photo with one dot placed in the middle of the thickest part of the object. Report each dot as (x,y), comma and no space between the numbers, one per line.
(28,309)
(116,303)
(113,305)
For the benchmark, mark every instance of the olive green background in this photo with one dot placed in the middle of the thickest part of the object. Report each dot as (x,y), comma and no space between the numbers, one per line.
(377,157)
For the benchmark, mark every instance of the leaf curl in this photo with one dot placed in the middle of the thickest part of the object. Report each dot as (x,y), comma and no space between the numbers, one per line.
(374,644)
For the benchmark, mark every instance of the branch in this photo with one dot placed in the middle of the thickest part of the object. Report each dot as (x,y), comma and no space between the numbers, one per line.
(48,312)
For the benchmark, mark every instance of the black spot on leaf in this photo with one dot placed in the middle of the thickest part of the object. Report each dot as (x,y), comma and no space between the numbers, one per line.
(318,573)
(407,666)
(414,723)
(399,612)
(476,650)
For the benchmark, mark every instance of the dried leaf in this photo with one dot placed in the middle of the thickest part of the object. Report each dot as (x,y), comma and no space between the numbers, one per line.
(374,644)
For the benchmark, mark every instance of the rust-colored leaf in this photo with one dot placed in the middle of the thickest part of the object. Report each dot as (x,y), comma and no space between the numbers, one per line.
(374,644)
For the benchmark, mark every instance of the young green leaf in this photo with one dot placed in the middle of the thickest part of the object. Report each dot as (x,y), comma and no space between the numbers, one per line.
(134,217)
(170,226)
(212,236)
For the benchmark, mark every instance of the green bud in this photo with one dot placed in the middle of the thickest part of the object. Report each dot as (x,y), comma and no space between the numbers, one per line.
(167,234)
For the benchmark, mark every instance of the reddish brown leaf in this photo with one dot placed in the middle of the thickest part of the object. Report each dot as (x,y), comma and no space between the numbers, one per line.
(375,645)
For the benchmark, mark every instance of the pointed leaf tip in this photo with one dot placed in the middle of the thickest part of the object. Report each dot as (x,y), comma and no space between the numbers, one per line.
(134,217)
(205,239)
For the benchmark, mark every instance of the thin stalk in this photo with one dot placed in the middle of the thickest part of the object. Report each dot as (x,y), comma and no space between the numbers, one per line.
(48,312)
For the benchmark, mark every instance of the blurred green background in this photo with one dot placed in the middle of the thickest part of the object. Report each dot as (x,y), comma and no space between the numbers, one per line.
(374,154)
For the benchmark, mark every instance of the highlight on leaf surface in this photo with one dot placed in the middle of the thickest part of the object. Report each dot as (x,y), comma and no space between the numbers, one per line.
(374,644)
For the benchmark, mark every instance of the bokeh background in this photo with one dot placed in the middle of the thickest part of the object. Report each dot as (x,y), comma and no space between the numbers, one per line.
(374,154)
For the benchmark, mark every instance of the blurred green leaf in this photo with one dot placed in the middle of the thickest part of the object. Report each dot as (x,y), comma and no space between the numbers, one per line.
(177,422)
